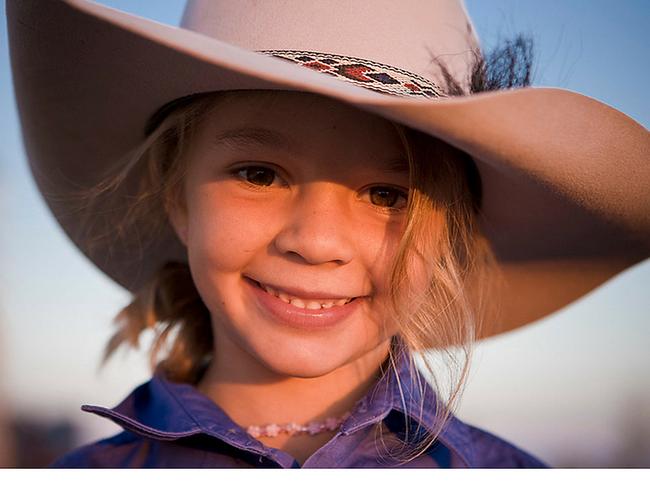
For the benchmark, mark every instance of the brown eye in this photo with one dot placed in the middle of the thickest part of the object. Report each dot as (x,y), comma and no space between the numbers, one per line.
(257,175)
(384,196)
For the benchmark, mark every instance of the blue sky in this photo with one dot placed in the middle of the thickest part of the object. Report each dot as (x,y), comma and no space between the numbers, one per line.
(576,370)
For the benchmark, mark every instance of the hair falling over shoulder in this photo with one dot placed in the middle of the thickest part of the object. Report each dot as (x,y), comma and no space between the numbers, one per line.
(441,235)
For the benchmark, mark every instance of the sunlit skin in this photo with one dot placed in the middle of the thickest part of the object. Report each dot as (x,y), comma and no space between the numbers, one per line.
(330,220)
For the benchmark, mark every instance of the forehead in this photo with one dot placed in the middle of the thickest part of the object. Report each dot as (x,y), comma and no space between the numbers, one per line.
(302,123)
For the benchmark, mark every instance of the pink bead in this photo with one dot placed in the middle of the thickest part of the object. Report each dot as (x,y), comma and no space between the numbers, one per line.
(272,430)
(331,423)
(314,428)
(292,428)
(254,431)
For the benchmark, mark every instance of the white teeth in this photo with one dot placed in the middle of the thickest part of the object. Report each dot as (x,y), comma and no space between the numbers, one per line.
(313,306)
(297,302)
(308,304)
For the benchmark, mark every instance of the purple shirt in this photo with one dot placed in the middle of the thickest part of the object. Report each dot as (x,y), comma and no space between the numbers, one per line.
(170,424)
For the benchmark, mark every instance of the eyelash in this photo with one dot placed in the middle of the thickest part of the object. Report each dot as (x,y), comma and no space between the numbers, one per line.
(236,173)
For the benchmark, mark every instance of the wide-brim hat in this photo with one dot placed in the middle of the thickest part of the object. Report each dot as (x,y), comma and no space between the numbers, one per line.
(565,178)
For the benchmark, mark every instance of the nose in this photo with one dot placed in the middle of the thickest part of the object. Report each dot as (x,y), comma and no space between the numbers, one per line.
(318,226)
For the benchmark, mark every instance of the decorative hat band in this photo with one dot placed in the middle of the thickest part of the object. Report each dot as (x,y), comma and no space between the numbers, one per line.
(362,72)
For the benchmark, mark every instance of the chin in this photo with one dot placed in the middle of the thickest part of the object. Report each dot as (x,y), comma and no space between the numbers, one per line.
(301,361)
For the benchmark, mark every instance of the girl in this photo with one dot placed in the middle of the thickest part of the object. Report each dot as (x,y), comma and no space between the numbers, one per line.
(293,238)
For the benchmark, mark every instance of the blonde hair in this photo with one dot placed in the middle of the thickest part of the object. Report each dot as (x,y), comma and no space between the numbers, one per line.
(441,233)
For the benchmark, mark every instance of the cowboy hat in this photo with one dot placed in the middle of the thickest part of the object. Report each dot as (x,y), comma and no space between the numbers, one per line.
(564,177)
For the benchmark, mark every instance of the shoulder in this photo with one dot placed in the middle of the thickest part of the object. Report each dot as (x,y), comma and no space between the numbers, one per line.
(491,451)
(118,451)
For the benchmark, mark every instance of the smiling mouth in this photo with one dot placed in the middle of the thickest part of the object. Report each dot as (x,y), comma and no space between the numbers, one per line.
(304,303)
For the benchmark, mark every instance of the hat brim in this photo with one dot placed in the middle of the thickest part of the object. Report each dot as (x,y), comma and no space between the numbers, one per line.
(565,177)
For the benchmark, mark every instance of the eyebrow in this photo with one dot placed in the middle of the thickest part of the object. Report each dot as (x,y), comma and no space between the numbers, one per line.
(398,165)
(247,137)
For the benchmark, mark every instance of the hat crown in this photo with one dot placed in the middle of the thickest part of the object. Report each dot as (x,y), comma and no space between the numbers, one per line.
(407,34)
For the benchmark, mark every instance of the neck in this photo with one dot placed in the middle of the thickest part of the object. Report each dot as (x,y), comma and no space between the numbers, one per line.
(253,395)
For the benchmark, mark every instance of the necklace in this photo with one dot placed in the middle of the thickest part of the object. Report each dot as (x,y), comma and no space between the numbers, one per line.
(292,428)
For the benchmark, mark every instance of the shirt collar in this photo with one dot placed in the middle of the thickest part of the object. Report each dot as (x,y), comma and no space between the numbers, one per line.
(404,388)
(164,410)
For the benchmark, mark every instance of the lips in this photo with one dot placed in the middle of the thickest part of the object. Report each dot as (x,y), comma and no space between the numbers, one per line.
(278,311)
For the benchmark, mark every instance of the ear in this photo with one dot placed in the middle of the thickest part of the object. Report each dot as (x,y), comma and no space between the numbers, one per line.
(177,214)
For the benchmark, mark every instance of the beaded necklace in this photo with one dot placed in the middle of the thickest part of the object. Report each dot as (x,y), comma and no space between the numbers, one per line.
(293,428)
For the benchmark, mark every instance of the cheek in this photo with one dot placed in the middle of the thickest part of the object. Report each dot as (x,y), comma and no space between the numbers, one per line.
(224,236)
(380,245)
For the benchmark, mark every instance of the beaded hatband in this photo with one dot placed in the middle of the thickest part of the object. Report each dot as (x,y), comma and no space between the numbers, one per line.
(363,72)
(292,428)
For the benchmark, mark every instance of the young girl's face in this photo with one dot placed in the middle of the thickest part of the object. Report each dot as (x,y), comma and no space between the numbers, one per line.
(304,195)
